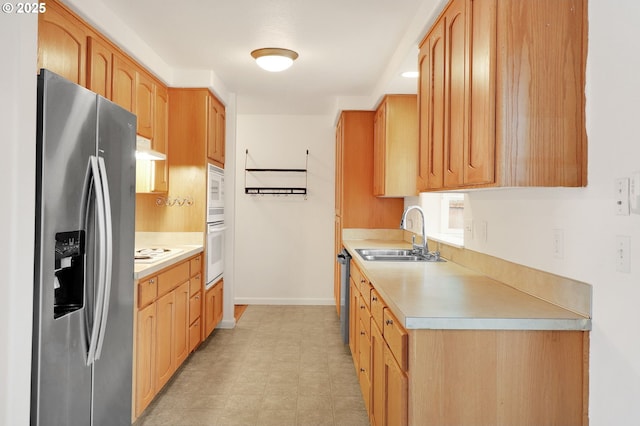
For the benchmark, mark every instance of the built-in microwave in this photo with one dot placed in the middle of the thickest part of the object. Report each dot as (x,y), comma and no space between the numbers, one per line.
(215,194)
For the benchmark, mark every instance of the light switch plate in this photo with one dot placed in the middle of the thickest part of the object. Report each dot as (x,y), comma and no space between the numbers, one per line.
(622,196)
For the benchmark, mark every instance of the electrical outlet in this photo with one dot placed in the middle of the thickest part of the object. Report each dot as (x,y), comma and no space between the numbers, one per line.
(623,245)
(558,243)
(622,196)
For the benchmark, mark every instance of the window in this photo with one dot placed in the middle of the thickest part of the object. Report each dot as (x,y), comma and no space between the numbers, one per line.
(452,214)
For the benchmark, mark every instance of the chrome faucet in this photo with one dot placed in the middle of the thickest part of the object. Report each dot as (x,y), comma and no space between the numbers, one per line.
(424,249)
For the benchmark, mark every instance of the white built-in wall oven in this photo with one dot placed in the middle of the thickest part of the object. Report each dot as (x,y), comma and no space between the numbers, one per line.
(215,225)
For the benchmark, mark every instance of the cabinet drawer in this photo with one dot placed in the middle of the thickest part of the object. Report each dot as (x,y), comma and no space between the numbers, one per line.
(355,273)
(396,337)
(170,279)
(195,284)
(194,334)
(364,316)
(195,303)
(365,290)
(147,291)
(377,308)
(195,265)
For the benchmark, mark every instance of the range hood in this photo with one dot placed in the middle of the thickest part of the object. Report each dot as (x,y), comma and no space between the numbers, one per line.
(144,151)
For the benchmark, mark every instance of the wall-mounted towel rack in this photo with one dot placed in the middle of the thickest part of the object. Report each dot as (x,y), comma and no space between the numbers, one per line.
(276,182)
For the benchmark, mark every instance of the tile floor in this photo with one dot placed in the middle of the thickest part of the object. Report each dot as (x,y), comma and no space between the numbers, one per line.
(281,365)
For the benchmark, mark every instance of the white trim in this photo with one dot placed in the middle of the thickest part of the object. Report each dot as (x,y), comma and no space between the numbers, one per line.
(281,301)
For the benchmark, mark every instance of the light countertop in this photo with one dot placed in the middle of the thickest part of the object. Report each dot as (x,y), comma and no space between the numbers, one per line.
(444,295)
(186,244)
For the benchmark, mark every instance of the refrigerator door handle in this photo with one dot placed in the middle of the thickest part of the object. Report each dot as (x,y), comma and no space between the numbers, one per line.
(101,243)
(108,257)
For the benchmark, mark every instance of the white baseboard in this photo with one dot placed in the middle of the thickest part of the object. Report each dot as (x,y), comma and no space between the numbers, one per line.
(278,301)
(227,323)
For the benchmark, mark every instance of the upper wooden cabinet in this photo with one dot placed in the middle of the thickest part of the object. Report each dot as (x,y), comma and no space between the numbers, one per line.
(216,122)
(123,86)
(395,140)
(144,104)
(62,44)
(99,67)
(501,95)
(355,200)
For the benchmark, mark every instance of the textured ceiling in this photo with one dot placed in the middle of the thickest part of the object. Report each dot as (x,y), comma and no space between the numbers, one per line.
(347,48)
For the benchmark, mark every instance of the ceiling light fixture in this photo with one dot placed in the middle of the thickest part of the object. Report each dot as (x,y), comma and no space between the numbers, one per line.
(274,59)
(410,74)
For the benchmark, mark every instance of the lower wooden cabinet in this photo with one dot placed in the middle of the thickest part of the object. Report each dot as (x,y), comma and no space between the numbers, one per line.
(395,400)
(213,307)
(145,357)
(167,327)
(461,377)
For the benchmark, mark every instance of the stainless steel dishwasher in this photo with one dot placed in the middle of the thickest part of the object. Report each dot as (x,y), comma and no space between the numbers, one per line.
(344,258)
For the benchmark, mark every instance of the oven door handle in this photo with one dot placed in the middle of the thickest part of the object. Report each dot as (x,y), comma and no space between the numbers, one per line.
(215,229)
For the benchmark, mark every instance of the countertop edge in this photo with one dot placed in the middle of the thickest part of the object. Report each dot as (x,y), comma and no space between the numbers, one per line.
(148,269)
(523,324)
(578,323)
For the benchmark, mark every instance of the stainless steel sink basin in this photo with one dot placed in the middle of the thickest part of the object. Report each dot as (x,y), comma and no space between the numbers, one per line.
(397,255)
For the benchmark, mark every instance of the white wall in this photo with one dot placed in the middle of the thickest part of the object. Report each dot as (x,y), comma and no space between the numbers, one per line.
(521,221)
(284,244)
(17,182)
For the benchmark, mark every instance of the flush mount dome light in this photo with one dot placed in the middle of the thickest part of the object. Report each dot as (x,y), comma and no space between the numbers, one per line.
(410,74)
(274,59)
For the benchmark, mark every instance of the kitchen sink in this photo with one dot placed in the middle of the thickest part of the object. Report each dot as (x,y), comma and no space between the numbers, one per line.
(398,255)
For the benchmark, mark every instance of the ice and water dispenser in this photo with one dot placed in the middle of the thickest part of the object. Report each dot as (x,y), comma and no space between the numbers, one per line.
(69,272)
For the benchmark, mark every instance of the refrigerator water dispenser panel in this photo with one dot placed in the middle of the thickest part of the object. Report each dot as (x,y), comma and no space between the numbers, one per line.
(69,273)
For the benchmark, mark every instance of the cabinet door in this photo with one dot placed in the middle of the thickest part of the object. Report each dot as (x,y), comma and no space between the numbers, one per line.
(160,137)
(99,67)
(181,324)
(339,172)
(212,130)
(336,266)
(379,150)
(221,129)
(378,391)
(480,151)
(354,308)
(145,357)
(123,86)
(218,306)
(195,331)
(165,358)
(365,365)
(396,403)
(62,44)
(455,117)
(215,130)
(213,308)
(432,97)
(144,105)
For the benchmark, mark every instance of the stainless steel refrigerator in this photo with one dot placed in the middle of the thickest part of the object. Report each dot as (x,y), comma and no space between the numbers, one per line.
(84,250)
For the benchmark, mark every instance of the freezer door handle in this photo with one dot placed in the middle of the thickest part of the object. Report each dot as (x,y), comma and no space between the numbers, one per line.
(108,255)
(94,180)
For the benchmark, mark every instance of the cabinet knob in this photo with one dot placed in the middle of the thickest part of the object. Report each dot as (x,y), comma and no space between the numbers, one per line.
(375,299)
(389,322)
(362,333)
(151,281)
(362,370)
(362,280)
(197,297)
(361,306)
